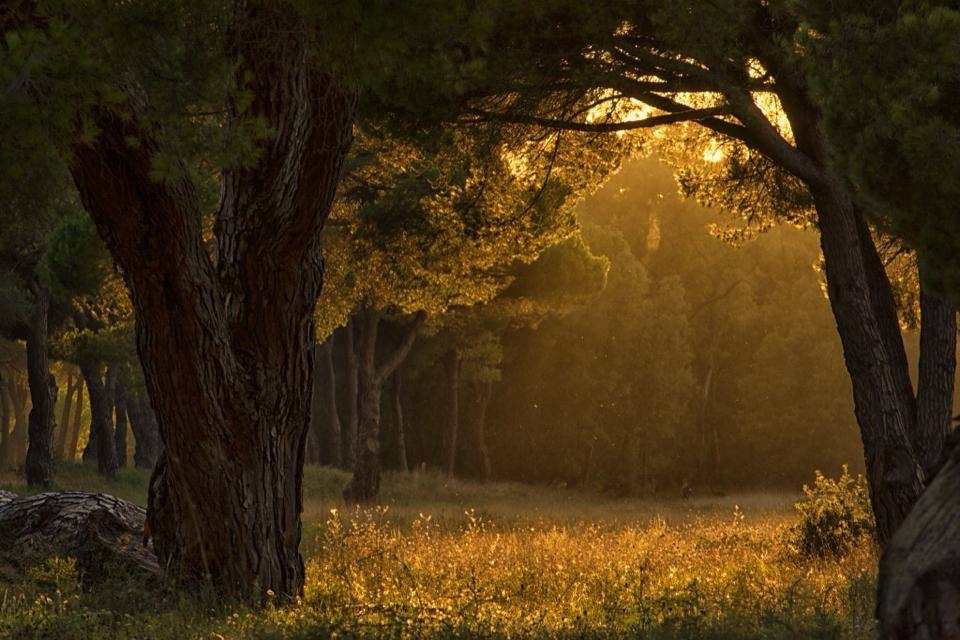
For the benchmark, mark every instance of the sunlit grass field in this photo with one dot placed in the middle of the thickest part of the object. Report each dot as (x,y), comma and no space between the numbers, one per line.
(449,559)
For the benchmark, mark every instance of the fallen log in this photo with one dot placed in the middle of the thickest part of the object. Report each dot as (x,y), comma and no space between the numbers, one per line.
(103,533)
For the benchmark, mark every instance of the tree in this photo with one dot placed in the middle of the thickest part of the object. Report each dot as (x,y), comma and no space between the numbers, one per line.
(738,70)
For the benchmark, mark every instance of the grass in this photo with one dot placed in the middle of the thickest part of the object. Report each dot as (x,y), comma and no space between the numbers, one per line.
(449,559)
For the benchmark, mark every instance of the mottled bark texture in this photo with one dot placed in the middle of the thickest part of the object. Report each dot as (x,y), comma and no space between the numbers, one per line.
(226,340)
(365,483)
(451,364)
(38,466)
(102,532)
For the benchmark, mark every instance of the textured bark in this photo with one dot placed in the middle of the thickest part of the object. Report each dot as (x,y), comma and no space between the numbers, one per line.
(102,532)
(365,483)
(399,428)
(936,377)
(351,426)
(74,441)
(43,394)
(146,434)
(120,423)
(226,340)
(101,445)
(63,433)
(451,363)
(919,582)
(483,391)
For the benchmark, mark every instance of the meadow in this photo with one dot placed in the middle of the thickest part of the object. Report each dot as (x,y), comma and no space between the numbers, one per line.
(441,558)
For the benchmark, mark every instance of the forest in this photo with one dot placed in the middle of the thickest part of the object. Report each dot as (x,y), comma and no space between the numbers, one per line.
(479,319)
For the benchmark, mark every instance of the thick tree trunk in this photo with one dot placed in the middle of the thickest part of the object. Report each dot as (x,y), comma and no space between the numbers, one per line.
(120,423)
(936,377)
(43,394)
(484,390)
(398,425)
(919,583)
(100,531)
(332,436)
(351,427)
(101,446)
(74,441)
(365,483)
(873,350)
(146,434)
(226,339)
(63,433)
(451,363)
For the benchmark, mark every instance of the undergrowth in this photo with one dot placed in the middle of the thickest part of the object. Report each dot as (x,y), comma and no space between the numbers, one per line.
(455,560)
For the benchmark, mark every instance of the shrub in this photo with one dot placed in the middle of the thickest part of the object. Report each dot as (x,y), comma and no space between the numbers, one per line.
(835,515)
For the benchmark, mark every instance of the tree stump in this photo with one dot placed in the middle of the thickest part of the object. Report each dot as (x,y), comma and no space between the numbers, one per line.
(102,532)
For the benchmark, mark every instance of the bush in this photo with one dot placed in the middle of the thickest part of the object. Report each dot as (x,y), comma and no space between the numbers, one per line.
(835,515)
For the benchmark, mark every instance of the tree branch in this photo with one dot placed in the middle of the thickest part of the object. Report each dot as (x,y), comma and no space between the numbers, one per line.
(400,353)
(599,127)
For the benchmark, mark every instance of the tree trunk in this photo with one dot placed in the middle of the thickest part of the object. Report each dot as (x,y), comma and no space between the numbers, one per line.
(120,424)
(402,464)
(63,433)
(18,436)
(919,582)
(936,377)
(332,437)
(863,307)
(146,436)
(101,444)
(365,483)
(351,428)
(226,337)
(43,394)
(74,442)
(4,423)
(451,363)
(484,390)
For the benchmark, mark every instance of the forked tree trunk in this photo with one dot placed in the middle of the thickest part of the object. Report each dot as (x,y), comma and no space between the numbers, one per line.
(74,441)
(399,428)
(863,307)
(451,364)
(63,433)
(483,391)
(351,426)
(146,435)
(43,393)
(101,446)
(120,423)
(226,341)
(365,483)
(936,377)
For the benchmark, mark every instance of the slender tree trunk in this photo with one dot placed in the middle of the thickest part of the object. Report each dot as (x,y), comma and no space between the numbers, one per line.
(226,340)
(399,427)
(936,377)
(63,433)
(43,394)
(863,307)
(101,419)
(120,425)
(146,436)
(365,483)
(332,439)
(484,390)
(451,363)
(351,427)
(74,441)
(5,438)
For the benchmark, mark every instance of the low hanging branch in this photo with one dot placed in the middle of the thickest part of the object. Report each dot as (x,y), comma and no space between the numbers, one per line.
(600,127)
(99,530)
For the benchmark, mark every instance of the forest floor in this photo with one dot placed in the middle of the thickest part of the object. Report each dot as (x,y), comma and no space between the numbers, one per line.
(450,559)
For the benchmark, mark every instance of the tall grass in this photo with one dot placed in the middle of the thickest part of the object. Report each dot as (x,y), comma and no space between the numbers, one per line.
(446,559)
